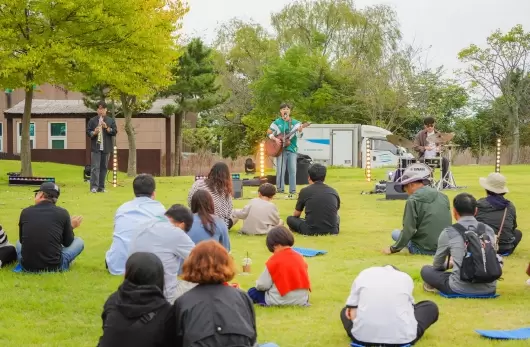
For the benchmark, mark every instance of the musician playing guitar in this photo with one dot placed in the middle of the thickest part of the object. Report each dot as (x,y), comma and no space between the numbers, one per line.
(288,157)
(426,149)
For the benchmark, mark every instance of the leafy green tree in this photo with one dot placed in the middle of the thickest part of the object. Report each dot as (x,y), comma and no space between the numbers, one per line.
(194,88)
(497,70)
(42,41)
(139,65)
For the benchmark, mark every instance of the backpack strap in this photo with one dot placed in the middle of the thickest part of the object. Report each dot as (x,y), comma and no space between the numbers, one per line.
(500,229)
(461,230)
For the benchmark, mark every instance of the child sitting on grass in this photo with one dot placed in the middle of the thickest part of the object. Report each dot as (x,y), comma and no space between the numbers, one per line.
(260,215)
(285,280)
(8,253)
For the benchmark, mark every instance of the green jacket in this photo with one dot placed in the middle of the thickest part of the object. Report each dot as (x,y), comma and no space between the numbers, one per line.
(427,213)
(279,126)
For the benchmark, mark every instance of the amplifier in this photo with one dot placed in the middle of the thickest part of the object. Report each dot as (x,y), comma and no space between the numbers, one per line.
(237,186)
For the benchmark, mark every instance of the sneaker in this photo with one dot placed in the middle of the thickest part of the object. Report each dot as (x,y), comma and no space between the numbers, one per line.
(291,196)
(93,190)
(102,191)
(429,288)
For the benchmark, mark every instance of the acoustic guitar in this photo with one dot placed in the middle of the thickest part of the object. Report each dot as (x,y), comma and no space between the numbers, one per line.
(274,149)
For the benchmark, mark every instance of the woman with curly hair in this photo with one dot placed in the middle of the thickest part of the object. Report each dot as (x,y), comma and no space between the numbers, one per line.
(219,185)
(213,314)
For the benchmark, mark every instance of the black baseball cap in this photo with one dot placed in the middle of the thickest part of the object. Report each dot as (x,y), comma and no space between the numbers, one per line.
(49,188)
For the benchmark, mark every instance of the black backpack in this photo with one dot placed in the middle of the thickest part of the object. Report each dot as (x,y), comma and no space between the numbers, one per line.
(480,263)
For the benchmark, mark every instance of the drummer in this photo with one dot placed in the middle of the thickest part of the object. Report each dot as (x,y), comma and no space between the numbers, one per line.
(429,150)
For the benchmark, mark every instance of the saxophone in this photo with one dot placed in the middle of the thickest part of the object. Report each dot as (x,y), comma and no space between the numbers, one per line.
(100,133)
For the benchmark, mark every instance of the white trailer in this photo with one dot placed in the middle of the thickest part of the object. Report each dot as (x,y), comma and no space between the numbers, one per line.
(345,145)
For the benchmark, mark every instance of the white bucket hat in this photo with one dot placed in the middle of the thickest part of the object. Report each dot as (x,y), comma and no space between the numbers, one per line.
(495,183)
(414,173)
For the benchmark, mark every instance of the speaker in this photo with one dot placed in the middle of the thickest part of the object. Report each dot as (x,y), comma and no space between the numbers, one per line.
(391,194)
(237,186)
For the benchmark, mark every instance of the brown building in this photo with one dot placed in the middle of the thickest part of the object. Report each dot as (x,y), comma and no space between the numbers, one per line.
(58,130)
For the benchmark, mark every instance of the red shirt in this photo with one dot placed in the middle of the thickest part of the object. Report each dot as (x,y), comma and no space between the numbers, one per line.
(288,271)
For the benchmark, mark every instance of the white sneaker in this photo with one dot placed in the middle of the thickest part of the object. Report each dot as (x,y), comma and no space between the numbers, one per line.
(527,281)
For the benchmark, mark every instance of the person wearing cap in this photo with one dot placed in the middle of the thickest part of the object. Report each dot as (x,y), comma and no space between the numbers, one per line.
(495,210)
(427,213)
(46,237)
(100,129)
(8,252)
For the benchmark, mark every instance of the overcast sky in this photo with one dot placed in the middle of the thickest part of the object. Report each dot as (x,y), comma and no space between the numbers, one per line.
(444,26)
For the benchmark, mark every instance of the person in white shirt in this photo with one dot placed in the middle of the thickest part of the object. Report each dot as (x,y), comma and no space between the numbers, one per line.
(380,310)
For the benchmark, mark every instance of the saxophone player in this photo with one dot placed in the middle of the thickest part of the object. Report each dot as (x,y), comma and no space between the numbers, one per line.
(100,130)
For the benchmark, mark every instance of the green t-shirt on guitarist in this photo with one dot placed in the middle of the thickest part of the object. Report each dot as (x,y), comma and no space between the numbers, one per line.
(280,126)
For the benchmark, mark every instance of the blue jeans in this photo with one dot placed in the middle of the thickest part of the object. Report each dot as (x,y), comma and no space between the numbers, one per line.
(413,249)
(286,159)
(68,254)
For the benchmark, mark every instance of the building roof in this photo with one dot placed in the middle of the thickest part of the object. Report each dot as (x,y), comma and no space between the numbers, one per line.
(75,108)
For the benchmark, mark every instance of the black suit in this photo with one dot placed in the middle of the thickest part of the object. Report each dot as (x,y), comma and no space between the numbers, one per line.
(100,152)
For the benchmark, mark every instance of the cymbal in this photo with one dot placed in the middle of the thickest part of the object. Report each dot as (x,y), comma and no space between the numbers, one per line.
(400,141)
(440,138)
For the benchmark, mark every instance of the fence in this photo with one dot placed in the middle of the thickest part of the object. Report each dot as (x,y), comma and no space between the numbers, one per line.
(488,158)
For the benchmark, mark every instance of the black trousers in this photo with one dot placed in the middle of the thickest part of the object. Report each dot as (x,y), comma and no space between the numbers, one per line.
(509,248)
(426,313)
(99,162)
(438,279)
(8,254)
(299,225)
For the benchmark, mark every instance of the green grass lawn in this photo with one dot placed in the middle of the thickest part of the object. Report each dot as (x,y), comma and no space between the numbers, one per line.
(64,309)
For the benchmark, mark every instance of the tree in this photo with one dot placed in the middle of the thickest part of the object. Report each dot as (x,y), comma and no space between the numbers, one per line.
(139,66)
(497,70)
(194,88)
(42,41)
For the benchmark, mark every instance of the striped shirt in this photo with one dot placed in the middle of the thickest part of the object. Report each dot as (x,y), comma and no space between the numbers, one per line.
(222,204)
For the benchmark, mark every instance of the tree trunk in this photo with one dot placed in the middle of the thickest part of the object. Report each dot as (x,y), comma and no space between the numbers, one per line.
(516,136)
(178,141)
(25,146)
(126,102)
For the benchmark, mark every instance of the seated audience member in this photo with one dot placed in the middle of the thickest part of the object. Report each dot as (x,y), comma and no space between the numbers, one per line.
(427,213)
(8,252)
(285,280)
(129,218)
(206,225)
(213,314)
(321,204)
(219,185)
(495,210)
(260,214)
(47,241)
(451,244)
(137,314)
(380,310)
(167,238)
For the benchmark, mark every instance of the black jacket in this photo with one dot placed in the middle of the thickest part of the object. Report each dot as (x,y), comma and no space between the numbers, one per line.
(93,123)
(491,214)
(215,316)
(137,316)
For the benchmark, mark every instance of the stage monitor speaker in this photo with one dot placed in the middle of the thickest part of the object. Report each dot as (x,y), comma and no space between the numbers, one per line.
(391,193)
(237,186)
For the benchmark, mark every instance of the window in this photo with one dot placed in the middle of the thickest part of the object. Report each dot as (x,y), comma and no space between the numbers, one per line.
(32,141)
(57,135)
(383,145)
(1,137)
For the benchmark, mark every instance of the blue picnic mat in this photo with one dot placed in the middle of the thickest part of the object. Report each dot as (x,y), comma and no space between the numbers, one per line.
(517,334)
(307,252)
(469,296)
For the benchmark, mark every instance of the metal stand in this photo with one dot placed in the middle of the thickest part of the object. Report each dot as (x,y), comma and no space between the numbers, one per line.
(448,181)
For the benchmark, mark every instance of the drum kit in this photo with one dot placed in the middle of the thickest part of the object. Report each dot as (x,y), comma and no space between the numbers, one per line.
(443,142)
